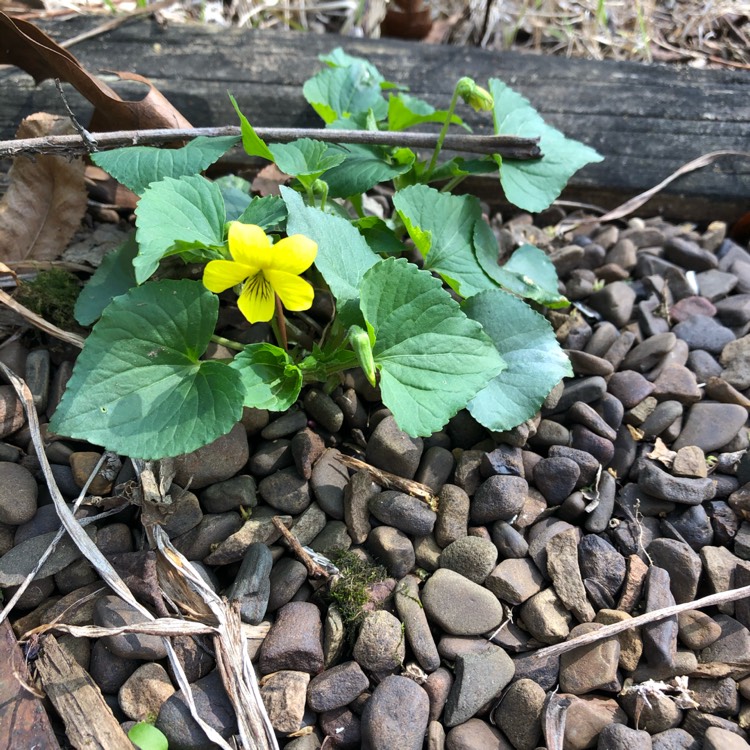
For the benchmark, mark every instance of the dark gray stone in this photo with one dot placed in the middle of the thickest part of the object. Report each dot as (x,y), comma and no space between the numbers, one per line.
(479,678)
(404,512)
(252,585)
(391,449)
(212,704)
(294,641)
(336,687)
(498,498)
(396,715)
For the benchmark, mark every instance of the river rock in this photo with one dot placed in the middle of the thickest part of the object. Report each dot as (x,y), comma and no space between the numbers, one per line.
(460,606)
(336,687)
(479,677)
(380,647)
(214,462)
(212,704)
(396,715)
(294,641)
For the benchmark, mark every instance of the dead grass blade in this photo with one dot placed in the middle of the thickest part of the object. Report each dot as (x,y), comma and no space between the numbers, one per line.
(187,588)
(635,203)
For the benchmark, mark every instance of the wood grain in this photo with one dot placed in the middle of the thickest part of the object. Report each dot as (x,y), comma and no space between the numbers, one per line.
(645,120)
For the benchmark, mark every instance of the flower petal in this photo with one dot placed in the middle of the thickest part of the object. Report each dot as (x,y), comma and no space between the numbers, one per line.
(257,301)
(295,293)
(249,244)
(294,254)
(221,274)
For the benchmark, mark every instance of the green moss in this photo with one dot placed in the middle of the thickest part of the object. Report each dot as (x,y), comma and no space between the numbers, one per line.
(350,591)
(52,294)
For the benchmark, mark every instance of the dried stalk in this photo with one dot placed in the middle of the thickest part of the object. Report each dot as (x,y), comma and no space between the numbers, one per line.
(509,147)
(313,568)
(658,614)
(391,481)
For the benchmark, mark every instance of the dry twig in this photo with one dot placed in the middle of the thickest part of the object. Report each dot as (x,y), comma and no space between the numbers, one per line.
(509,147)
(392,481)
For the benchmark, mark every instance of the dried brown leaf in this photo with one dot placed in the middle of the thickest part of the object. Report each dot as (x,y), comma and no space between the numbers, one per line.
(30,49)
(45,200)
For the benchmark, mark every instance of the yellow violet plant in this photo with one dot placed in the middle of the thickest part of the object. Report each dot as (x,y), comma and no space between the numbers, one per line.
(210,262)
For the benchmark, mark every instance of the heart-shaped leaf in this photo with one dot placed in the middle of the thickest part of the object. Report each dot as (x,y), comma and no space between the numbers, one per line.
(442,227)
(139,387)
(306,158)
(432,359)
(364,167)
(177,215)
(534,184)
(270,378)
(343,255)
(536,363)
(114,277)
(529,273)
(137,167)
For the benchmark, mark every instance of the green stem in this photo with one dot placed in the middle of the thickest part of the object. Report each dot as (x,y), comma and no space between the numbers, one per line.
(324,195)
(322,371)
(310,193)
(228,343)
(280,328)
(443,133)
(457,180)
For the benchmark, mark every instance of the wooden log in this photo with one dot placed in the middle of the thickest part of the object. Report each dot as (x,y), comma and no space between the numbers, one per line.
(23,720)
(89,722)
(646,120)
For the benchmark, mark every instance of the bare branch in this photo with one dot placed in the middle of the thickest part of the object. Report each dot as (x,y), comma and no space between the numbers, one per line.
(509,147)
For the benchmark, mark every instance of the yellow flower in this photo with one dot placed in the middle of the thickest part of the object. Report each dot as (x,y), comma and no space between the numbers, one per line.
(263,269)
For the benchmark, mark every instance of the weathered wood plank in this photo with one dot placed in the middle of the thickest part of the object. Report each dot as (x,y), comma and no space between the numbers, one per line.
(23,720)
(646,120)
(89,722)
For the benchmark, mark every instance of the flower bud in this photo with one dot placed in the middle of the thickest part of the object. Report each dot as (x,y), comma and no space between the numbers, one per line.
(362,346)
(475,96)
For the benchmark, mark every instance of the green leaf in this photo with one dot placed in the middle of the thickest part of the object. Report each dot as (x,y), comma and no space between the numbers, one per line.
(341,92)
(536,363)
(137,167)
(139,388)
(253,144)
(404,111)
(534,184)
(306,158)
(343,255)
(379,236)
(177,215)
(268,212)
(271,380)
(529,273)
(114,277)
(337,58)
(236,194)
(147,737)
(432,358)
(442,227)
(460,167)
(366,166)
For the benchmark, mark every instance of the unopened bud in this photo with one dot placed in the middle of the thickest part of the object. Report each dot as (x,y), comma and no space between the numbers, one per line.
(362,347)
(475,96)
